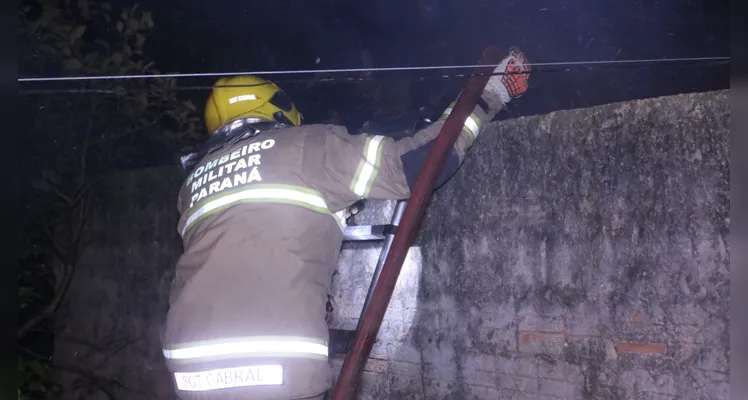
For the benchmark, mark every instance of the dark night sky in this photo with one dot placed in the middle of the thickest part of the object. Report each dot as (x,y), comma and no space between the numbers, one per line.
(205,36)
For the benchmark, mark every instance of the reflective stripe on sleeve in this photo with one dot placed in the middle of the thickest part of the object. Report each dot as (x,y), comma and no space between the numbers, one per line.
(247,347)
(472,123)
(284,194)
(368,167)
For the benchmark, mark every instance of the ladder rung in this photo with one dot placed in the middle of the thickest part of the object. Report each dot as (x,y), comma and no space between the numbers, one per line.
(366,232)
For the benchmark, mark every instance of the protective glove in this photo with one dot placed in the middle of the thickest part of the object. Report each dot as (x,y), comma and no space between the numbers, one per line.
(504,88)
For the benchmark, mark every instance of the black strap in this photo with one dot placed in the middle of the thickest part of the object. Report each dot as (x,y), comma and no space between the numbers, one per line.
(483,105)
(225,136)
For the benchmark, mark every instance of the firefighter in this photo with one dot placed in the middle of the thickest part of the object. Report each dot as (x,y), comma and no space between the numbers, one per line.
(262,213)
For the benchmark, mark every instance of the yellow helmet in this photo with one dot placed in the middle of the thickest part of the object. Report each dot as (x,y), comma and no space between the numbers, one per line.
(253,97)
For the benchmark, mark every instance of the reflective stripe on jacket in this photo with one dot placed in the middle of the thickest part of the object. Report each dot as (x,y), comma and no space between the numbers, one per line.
(249,347)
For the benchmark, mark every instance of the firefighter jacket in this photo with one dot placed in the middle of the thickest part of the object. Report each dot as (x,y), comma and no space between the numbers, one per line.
(262,220)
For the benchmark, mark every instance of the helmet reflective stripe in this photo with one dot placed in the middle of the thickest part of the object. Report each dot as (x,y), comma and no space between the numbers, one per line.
(472,123)
(284,194)
(368,167)
(247,347)
(244,97)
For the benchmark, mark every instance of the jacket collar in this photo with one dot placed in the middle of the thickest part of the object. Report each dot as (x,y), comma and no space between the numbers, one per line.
(228,134)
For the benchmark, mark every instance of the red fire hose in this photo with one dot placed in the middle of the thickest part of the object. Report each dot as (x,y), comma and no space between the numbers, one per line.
(353,366)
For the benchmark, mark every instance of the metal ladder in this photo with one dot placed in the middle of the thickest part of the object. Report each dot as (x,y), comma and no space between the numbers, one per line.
(341,340)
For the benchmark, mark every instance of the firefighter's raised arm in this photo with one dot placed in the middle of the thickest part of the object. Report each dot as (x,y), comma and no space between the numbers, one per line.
(378,167)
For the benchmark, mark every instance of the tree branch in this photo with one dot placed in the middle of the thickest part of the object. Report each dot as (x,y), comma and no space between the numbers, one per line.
(86,143)
(84,206)
(126,133)
(126,344)
(96,380)
(58,252)
(82,190)
(53,305)
(60,194)
(69,258)
(69,262)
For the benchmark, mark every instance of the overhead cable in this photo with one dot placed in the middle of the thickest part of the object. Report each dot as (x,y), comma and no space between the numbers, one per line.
(332,75)
(353,70)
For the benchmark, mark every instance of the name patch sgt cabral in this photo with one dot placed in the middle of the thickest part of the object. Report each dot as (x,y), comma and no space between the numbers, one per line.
(253,375)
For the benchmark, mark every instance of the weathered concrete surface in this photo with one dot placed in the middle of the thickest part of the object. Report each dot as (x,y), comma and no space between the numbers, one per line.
(578,255)
(111,320)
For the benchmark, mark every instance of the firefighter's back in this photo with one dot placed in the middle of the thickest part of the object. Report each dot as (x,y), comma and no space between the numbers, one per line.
(247,315)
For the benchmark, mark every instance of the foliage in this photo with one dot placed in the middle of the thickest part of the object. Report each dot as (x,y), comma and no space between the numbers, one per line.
(34,381)
(76,139)
(88,40)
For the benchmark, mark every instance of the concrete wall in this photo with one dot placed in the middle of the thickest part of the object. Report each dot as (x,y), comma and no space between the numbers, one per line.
(110,323)
(578,255)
